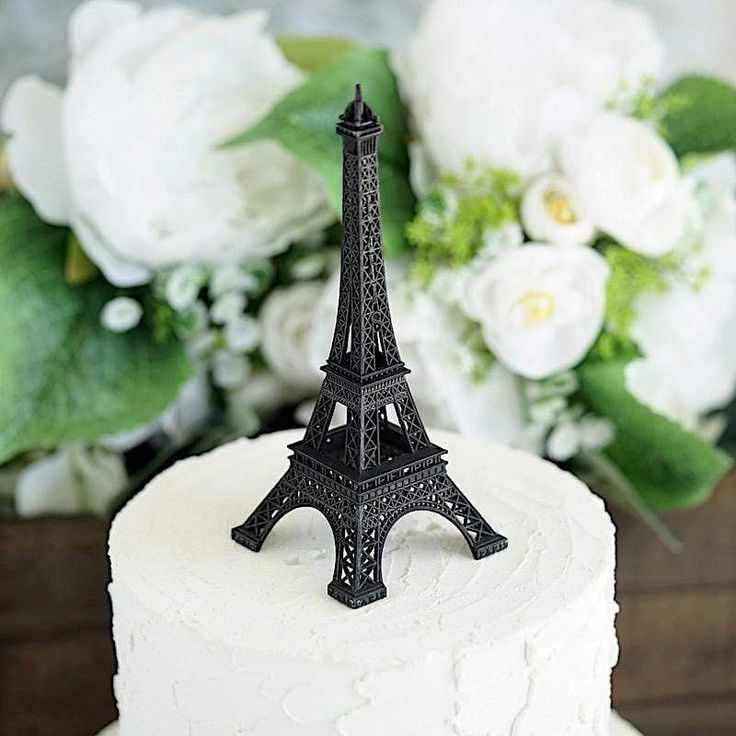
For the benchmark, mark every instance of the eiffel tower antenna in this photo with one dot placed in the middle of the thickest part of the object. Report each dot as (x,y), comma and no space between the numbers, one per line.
(366,474)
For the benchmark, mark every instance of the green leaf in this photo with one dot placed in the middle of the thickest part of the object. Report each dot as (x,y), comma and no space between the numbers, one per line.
(63,377)
(304,123)
(668,466)
(313,53)
(707,122)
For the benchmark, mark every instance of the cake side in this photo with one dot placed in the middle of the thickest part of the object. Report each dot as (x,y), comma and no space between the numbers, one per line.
(214,639)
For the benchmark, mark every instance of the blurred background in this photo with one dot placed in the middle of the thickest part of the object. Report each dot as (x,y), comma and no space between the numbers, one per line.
(33,32)
(677,626)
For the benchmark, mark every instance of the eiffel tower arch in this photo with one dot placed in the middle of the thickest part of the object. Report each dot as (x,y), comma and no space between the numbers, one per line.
(380,465)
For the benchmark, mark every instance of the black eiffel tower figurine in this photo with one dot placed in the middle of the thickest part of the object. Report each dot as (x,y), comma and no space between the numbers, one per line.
(380,465)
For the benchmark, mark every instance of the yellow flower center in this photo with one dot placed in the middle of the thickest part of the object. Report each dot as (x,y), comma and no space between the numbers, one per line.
(536,307)
(559,207)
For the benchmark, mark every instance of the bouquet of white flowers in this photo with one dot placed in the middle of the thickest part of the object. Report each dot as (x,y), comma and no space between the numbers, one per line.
(561,235)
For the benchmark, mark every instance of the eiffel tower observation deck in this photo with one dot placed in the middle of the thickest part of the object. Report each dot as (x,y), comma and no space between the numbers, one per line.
(366,474)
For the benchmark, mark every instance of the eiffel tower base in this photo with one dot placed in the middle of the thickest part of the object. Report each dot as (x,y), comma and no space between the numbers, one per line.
(362,512)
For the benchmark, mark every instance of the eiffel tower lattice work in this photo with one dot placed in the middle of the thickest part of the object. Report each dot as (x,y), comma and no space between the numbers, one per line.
(380,465)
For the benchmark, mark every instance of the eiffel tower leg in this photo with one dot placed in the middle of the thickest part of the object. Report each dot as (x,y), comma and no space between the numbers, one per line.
(254,530)
(455,507)
(358,578)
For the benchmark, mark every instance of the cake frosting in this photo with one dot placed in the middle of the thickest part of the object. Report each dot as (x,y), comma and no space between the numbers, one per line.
(619,727)
(215,640)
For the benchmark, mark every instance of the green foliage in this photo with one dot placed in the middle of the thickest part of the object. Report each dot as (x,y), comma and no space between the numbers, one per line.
(63,377)
(631,275)
(707,123)
(666,465)
(304,123)
(455,218)
(645,102)
(313,53)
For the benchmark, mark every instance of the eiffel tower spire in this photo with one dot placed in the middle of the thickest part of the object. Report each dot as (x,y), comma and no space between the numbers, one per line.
(380,465)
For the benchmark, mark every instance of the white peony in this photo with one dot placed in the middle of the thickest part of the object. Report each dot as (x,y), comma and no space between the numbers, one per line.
(550,212)
(541,307)
(628,183)
(75,479)
(287,325)
(688,333)
(500,81)
(128,155)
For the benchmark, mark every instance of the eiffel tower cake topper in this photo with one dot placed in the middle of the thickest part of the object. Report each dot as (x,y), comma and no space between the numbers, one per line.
(366,474)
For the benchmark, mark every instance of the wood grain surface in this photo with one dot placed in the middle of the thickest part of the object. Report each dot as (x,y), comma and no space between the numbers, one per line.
(677,625)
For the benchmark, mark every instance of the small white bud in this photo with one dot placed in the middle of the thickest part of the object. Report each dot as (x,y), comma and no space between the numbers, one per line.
(121,314)
(242,334)
(231,278)
(183,285)
(228,307)
(563,442)
(595,432)
(229,370)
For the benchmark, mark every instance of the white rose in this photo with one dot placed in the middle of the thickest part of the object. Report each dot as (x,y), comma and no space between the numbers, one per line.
(128,155)
(688,334)
(550,212)
(287,325)
(628,183)
(541,307)
(73,480)
(500,81)
(688,338)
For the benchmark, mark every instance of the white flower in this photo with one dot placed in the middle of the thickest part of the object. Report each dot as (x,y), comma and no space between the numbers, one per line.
(628,183)
(541,307)
(230,278)
(449,391)
(228,307)
(550,212)
(229,370)
(687,334)
(183,285)
(73,480)
(128,154)
(501,81)
(242,334)
(287,324)
(568,438)
(121,314)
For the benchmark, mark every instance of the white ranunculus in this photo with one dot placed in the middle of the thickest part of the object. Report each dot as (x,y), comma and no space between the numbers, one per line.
(628,183)
(550,212)
(287,325)
(500,81)
(128,155)
(541,307)
(75,479)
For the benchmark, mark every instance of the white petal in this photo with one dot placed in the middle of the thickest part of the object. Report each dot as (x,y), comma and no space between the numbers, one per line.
(32,116)
(102,475)
(95,19)
(48,486)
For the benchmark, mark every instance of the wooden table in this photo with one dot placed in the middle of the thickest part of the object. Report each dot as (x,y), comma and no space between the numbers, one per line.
(677,627)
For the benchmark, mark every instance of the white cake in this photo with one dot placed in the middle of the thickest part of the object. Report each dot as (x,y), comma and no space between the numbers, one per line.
(215,640)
